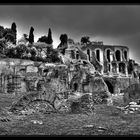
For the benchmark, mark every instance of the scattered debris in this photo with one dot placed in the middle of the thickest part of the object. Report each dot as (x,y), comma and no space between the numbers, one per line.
(88,126)
(36,122)
(100,128)
(95,128)
(132,107)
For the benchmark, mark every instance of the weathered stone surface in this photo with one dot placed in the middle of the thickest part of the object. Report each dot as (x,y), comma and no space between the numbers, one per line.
(82,103)
(132,93)
(100,91)
(100,97)
(117,99)
(98,84)
(62,103)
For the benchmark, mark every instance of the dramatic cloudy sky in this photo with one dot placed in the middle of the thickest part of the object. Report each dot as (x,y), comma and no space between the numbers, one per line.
(115,25)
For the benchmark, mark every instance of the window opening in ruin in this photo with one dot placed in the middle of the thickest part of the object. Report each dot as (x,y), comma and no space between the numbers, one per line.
(122,68)
(56,74)
(98,55)
(109,67)
(125,55)
(77,55)
(108,55)
(75,86)
(114,68)
(72,54)
(46,70)
(110,86)
(118,55)
(88,53)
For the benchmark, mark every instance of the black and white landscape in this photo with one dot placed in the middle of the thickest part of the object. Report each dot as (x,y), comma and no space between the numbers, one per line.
(69,70)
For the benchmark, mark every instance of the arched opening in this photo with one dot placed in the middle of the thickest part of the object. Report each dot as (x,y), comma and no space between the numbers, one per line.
(108,55)
(88,53)
(125,55)
(75,86)
(77,55)
(98,55)
(118,55)
(110,86)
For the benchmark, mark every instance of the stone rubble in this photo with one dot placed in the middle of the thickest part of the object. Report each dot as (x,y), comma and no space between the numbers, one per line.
(132,107)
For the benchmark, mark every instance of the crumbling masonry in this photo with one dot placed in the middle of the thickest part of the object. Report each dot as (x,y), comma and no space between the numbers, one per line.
(93,68)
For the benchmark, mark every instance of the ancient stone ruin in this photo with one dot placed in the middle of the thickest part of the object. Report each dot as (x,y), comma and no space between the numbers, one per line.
(87,75)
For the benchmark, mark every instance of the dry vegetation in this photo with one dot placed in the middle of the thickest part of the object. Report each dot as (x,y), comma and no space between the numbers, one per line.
(112,120)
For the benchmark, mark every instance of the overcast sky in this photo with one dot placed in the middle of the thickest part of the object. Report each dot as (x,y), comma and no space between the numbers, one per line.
(115,25)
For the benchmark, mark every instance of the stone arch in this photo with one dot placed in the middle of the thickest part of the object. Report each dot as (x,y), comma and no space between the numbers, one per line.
(118,55)
(99,54)
(27,99)
(108,54)
(110,86)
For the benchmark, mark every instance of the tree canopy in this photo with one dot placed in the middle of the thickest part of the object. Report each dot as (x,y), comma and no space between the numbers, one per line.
(85,39)
(46,39)
(63,38)
(50,41)
(43,39)
(31,35)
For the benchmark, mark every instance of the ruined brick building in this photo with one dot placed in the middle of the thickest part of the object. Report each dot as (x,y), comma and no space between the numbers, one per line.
(110,60)
(77,72)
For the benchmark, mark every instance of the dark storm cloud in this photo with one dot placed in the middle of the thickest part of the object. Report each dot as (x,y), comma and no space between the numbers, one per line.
(115,22)
(96,20)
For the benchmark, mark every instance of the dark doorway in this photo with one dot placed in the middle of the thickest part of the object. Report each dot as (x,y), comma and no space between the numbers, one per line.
(108,55)
(125,55)
(109,69)
(88,53)
(98,55)
(118,55)
(75,86)
(77,55)
(110,86)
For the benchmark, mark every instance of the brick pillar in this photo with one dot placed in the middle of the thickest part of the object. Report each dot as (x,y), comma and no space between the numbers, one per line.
(126,70)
